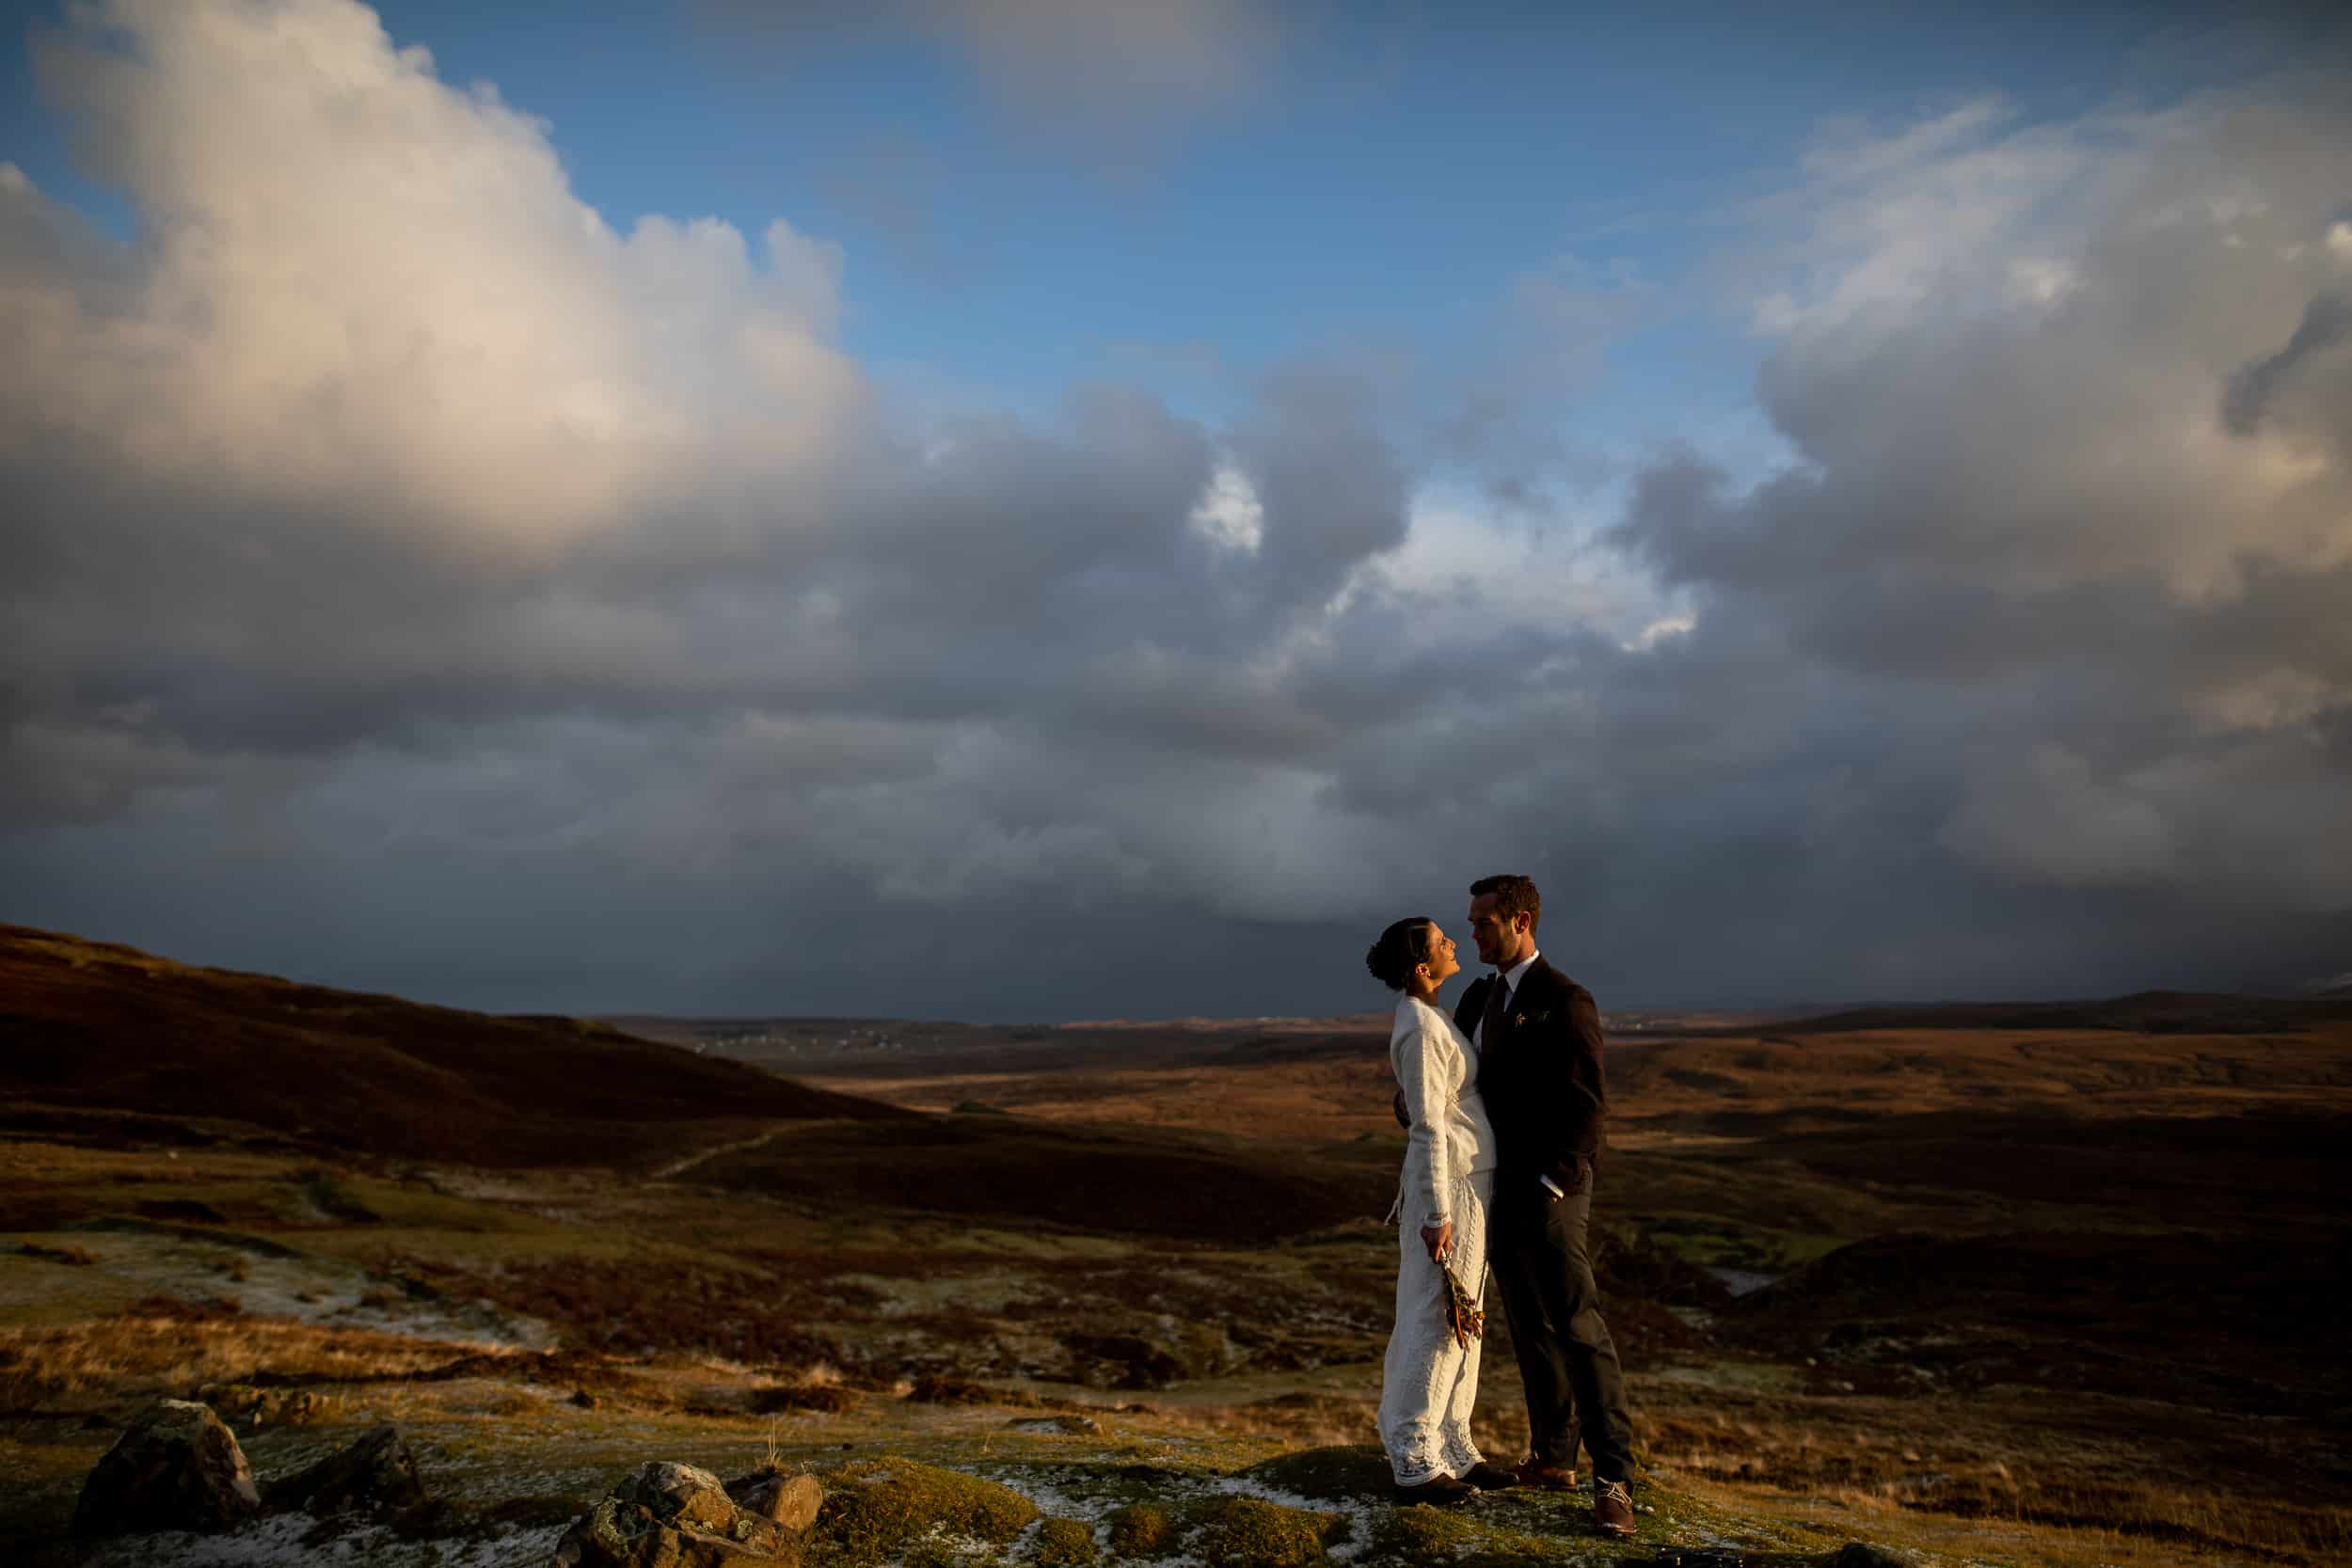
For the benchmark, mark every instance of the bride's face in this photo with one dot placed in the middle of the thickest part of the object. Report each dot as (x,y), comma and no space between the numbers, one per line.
(1439,965)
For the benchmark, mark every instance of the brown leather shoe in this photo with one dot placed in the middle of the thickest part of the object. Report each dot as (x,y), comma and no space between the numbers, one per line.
(1490,1478)
(1546,1478)
(1437,1492)
(1612,1507)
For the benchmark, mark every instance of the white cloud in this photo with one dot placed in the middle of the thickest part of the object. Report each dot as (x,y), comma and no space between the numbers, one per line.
(1229,513)
(1464,564)
(1949,252)
(367,292)
(1660,630)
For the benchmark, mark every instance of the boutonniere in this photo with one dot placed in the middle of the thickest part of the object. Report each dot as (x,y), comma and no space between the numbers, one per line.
(1520,1022)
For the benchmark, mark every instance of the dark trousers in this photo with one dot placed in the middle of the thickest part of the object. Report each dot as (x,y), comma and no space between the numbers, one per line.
(1567,1363)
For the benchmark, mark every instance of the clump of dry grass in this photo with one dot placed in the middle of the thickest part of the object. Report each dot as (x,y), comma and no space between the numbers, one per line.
(74,1256)
(164,1347)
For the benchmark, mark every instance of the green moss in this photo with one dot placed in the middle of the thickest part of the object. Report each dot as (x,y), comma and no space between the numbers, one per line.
(1141,1529)
(1355,1470)
(1422,1531)
(1244,1532)
(1421,1534)
(878,1508)
(1062,1544)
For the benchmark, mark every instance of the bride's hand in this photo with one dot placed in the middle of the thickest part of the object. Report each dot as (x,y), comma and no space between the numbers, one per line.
(1439,1239)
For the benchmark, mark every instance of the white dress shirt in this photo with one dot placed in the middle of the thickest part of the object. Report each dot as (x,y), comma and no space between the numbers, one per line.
(1511,978)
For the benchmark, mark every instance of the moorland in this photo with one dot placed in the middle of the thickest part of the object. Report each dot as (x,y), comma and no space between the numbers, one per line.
(2045,1284)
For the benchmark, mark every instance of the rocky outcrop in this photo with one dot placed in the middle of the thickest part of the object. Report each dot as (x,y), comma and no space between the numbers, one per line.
(671,1516)
(378,1473)
(175,1467)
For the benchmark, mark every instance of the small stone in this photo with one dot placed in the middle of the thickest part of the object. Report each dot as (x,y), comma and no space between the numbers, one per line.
(175,1467)
(584,1399)
(789,1501)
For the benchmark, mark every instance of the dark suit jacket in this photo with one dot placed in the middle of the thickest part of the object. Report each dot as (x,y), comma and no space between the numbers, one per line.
(1541,1076)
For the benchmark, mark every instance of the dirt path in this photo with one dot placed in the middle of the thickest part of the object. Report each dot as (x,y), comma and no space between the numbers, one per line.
(676,1168)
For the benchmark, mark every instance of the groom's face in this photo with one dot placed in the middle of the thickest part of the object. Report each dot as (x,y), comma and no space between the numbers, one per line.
(1502,938)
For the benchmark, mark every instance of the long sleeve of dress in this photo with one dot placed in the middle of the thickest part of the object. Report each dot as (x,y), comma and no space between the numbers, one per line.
(1420,1057)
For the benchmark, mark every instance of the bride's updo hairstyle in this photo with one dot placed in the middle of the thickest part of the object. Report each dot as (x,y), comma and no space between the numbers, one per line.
(1400,947)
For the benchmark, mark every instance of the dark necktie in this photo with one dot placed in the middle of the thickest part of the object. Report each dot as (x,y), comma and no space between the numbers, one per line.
(1497,999)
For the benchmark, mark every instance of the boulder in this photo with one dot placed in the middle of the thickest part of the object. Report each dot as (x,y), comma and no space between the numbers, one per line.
(378,1473)
(792,1501)
(175,1467)
(671,1516)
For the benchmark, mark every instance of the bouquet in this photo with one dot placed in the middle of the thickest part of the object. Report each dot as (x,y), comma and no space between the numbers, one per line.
(1462,1313)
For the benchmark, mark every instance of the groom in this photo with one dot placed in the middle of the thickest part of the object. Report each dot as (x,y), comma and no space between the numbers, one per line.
(1539,1045)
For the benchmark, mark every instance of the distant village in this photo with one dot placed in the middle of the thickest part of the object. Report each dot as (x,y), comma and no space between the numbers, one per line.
(796,1039)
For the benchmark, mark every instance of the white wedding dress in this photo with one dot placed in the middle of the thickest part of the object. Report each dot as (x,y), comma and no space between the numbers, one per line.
(1429,1383)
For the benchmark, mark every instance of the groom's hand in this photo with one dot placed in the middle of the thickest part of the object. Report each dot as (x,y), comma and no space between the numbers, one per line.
(1439,1239)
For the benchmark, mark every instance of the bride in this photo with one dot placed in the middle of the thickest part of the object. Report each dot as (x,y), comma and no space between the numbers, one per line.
(1430,1379)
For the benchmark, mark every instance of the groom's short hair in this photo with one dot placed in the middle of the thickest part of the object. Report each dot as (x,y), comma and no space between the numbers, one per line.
(1514,895)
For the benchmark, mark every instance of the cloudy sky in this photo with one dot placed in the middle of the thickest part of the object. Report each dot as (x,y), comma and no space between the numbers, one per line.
(1027,509)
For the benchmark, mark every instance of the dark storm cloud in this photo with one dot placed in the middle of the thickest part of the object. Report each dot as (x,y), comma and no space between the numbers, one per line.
(2327,323)
(478,602)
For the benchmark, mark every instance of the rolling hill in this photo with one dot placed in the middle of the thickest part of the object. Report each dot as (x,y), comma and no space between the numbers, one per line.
(91,1028)
(106,1042)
